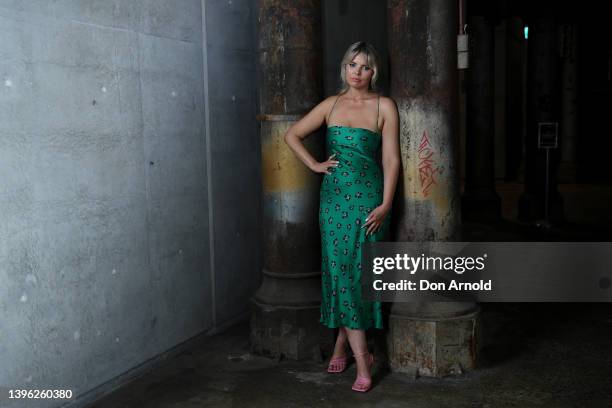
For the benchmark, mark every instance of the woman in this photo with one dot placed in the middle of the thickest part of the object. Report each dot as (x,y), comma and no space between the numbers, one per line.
(355,198)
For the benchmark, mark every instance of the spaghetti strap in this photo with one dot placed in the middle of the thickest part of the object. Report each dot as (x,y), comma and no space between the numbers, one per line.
(330,112)
(377,110)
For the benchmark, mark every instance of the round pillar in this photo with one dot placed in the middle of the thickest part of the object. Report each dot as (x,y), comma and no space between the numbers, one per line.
(435,338)
(286,308)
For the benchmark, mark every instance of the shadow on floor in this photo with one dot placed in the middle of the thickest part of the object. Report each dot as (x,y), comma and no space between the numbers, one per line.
(533,355)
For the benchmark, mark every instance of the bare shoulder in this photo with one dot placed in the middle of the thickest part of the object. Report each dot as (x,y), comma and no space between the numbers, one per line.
(321,109)
(387,104)
(330,99)
(313,119)
(327,104)
(388,108)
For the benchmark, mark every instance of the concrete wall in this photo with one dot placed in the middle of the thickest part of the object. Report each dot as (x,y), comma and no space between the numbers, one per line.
(235,154)
(128,185)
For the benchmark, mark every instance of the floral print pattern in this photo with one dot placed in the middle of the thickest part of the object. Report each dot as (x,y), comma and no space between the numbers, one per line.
(348,195)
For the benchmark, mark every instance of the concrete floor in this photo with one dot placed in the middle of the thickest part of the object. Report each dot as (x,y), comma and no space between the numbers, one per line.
(534,355)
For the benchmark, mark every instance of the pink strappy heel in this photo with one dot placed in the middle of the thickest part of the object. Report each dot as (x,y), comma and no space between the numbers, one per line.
(338,364)
(363,384)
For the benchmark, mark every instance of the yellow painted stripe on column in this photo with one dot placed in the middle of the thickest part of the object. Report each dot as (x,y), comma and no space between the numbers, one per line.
(281,169)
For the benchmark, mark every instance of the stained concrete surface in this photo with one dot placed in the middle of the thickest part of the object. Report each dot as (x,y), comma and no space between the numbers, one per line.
(534,355)
(118,121)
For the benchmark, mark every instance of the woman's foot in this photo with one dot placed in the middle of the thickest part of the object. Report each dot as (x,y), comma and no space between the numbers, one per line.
(365,361)
(337,364)
(339,359)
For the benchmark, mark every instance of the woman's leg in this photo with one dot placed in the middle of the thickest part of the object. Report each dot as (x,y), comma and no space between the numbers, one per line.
(341,340)
(357,339)
(339,352)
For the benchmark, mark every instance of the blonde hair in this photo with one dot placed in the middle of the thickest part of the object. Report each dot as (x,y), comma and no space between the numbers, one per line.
(371,54)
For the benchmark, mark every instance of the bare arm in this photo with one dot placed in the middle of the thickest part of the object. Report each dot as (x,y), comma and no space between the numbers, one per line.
(302,129)
(390,150)
(390,163)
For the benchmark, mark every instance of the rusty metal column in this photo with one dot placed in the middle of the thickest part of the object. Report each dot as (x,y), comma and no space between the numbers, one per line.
(480,202)
(543,105)
(286,308)
(436,338)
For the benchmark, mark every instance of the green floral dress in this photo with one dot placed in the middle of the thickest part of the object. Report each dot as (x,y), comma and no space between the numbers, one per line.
(348,195)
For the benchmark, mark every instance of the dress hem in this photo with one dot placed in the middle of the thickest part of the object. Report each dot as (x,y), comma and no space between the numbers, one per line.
(352,328)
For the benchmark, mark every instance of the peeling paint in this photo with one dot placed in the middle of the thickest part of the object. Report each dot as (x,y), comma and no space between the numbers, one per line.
(290,84)
(428,200)
(422,47)
(281,169)
(290,53)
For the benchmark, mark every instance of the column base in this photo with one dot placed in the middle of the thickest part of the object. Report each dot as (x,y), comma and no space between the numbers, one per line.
(434,347)
(289,332)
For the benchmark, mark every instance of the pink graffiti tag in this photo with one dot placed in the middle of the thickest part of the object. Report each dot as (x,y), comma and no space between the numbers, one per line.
(427,165)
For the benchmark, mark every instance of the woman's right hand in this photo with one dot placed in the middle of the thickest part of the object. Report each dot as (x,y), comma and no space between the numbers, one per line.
(322,166)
